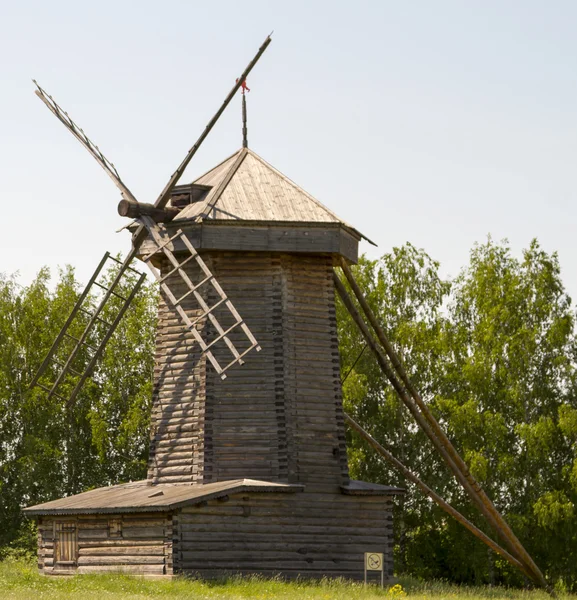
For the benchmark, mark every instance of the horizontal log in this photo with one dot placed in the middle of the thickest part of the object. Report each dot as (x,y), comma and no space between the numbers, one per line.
(122,551)
(278,527)
(132,569)
(143,532)
(133,210)
(120,560)
(105,544)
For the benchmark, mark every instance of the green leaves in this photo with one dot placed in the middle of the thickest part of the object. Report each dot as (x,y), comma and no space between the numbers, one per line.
(553,509)
(568,422)
(494,355)
(47,450)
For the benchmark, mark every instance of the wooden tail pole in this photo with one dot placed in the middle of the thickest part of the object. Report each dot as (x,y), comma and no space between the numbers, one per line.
(434,496)
(503,526)
(430,426)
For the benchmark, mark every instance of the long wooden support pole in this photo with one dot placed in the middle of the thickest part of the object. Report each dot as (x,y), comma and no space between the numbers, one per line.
(434,496)
(503,526)
(405,398)
(165,194)
(437,436)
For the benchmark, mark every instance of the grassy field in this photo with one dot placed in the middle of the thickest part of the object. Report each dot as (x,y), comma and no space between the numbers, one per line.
(20,580)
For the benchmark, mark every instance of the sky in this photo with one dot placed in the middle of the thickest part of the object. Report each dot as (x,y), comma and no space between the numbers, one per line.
(438,123)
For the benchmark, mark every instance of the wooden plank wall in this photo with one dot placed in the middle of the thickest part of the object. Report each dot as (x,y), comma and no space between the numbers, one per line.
(279,416)
(313,395)
(137,543)
(177,419)
(306,534)
(245,420)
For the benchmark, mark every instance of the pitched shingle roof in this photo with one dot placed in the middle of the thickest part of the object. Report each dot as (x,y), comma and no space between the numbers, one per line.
(245,187)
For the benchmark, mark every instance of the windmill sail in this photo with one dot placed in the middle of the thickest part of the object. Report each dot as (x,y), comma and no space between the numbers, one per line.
(165,244)
(79,134)
(82,339)
(65,359)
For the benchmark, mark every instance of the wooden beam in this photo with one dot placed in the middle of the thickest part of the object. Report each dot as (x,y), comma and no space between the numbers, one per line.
(141,233)
(165,194)
(433,430)
(434,496)
(134,209)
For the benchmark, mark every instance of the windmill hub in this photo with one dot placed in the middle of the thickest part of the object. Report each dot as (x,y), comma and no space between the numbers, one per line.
(134,210)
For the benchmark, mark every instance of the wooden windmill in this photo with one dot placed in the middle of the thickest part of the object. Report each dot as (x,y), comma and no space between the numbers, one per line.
(247,473)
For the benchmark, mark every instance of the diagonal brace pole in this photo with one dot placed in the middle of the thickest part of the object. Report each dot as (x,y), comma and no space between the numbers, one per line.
(430,426)
(453,512)
(405,398)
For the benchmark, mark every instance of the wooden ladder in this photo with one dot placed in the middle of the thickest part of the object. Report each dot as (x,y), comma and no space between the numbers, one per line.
(164,242)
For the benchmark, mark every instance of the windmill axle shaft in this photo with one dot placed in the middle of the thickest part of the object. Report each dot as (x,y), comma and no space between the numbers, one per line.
(133,210)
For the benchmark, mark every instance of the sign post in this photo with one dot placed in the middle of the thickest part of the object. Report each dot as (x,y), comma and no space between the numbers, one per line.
(374,562)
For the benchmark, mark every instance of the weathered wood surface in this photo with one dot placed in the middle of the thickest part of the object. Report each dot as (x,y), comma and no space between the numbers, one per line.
(310,535)
(279,416)
(265,237)
(142,545)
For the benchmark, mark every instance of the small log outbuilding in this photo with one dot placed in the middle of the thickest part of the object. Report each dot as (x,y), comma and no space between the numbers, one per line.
(248,473)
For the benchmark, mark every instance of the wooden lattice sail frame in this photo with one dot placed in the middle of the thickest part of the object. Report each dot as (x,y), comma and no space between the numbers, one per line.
(147,226)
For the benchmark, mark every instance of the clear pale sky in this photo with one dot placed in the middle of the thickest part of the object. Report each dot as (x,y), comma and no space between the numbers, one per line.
(431,122)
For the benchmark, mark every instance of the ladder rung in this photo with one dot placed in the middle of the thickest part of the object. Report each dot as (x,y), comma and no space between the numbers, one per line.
(110,290)
(175,269)
(205,314)
(193,289)
(77,340)
(90,314)
(120,262)
(161,246)
(237,360)
(61,364)
(224,334)
(52,393)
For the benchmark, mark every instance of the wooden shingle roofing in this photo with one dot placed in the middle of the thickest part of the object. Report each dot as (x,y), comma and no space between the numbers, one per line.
(140,496)
(244,187)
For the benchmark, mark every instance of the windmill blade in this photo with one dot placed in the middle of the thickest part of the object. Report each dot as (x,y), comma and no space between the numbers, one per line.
(79,134)
(165,194)
(164,243)
(69,345)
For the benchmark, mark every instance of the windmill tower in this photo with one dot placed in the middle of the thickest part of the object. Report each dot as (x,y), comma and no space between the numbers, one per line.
(248,468)
(279,418)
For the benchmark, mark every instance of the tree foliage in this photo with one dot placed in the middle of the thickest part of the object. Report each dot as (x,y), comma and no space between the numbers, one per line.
(49,450)
(494,355)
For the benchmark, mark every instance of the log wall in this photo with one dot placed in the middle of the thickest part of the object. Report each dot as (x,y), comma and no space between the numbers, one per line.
(279,416)
(308,535)
(138,544)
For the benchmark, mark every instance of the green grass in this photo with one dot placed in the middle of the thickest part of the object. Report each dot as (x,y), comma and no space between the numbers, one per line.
(19,580)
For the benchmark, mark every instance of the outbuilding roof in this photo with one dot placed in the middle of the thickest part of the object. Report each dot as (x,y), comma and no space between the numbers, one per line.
(244,187)
(141,496)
